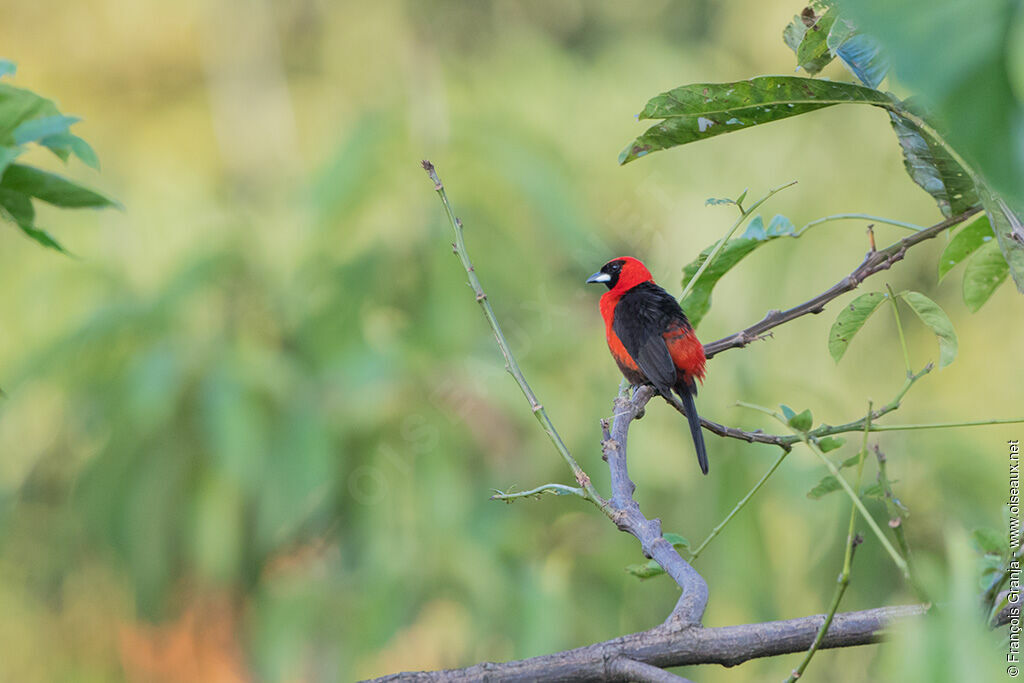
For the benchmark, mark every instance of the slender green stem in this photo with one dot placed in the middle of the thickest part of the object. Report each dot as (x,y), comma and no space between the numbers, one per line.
(946,425)
(805,437)
(739,506)
(899,328)
(556,489)
(744,214)
(837,596)
(859,216)
(459,246)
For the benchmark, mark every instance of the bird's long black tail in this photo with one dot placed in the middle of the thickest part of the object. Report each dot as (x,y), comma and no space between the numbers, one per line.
(695,430)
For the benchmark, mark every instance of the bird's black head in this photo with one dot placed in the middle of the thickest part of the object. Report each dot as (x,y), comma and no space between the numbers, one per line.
(609,273)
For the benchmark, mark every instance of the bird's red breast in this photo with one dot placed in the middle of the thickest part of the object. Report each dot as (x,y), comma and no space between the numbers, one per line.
(686,350)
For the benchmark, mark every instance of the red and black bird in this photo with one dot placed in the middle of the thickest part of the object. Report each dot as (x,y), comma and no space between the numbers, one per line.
(651,339)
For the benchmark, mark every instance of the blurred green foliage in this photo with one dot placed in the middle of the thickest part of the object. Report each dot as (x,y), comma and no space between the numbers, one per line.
(263,393)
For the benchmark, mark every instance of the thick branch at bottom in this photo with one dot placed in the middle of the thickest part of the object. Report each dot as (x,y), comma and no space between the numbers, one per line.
(664,647)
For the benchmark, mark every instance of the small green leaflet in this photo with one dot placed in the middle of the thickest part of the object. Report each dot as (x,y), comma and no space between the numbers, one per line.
(850,320)
(813,53)
(964,243)
(831,443)
(935,318)
(984,273)
(646,570)
(698,302)
(802,421)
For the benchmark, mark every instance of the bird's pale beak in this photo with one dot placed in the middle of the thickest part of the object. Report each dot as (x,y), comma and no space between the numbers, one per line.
(599,277)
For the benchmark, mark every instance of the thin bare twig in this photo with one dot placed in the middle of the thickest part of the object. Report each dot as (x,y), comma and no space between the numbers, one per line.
(874,262)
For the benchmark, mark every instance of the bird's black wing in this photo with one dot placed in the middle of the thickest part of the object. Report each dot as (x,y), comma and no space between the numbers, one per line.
(642,316)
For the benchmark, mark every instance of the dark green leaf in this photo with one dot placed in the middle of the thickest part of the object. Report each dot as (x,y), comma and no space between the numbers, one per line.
(935,318)
(1006,223)
(802,421)
(698,302)
(7,155)
(964,243)
(932,167)
(713,201)
(42,237)
(850,320)
(827,485)
(51,188)
(17,206)
(704,110)
(831,443)
(813,54)
(989,541)
(44,126)
(984,273)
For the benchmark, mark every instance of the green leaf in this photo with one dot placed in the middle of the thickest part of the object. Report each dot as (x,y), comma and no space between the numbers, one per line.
(931,166)
(7,67)
(827,485)
(645,570)
(984,273)
(714,201)
(18,105)
(1007,225)
(802,421)
(17,206)
(51,188)
(831,443)
(698,302)
(964,243)
(704,110)
(42,237)
(989,541)
(44,126)
(676,540)
(850,320)
(813,54)
(850,462)
(873,491)
(935,318)
(794,33)
(787,411)
(651,568)
(65,144)
(7,155)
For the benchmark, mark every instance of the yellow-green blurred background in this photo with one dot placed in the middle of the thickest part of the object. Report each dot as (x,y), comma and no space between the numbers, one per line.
(251,429)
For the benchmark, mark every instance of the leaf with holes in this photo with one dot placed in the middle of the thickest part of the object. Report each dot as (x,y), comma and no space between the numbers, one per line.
(850,320)
(704,110)
(935,318)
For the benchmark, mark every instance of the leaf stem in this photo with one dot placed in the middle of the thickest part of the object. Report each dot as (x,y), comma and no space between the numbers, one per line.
(459,247)
(859,216)
(739,506)
(899,328)
(804,436)
(556,489)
